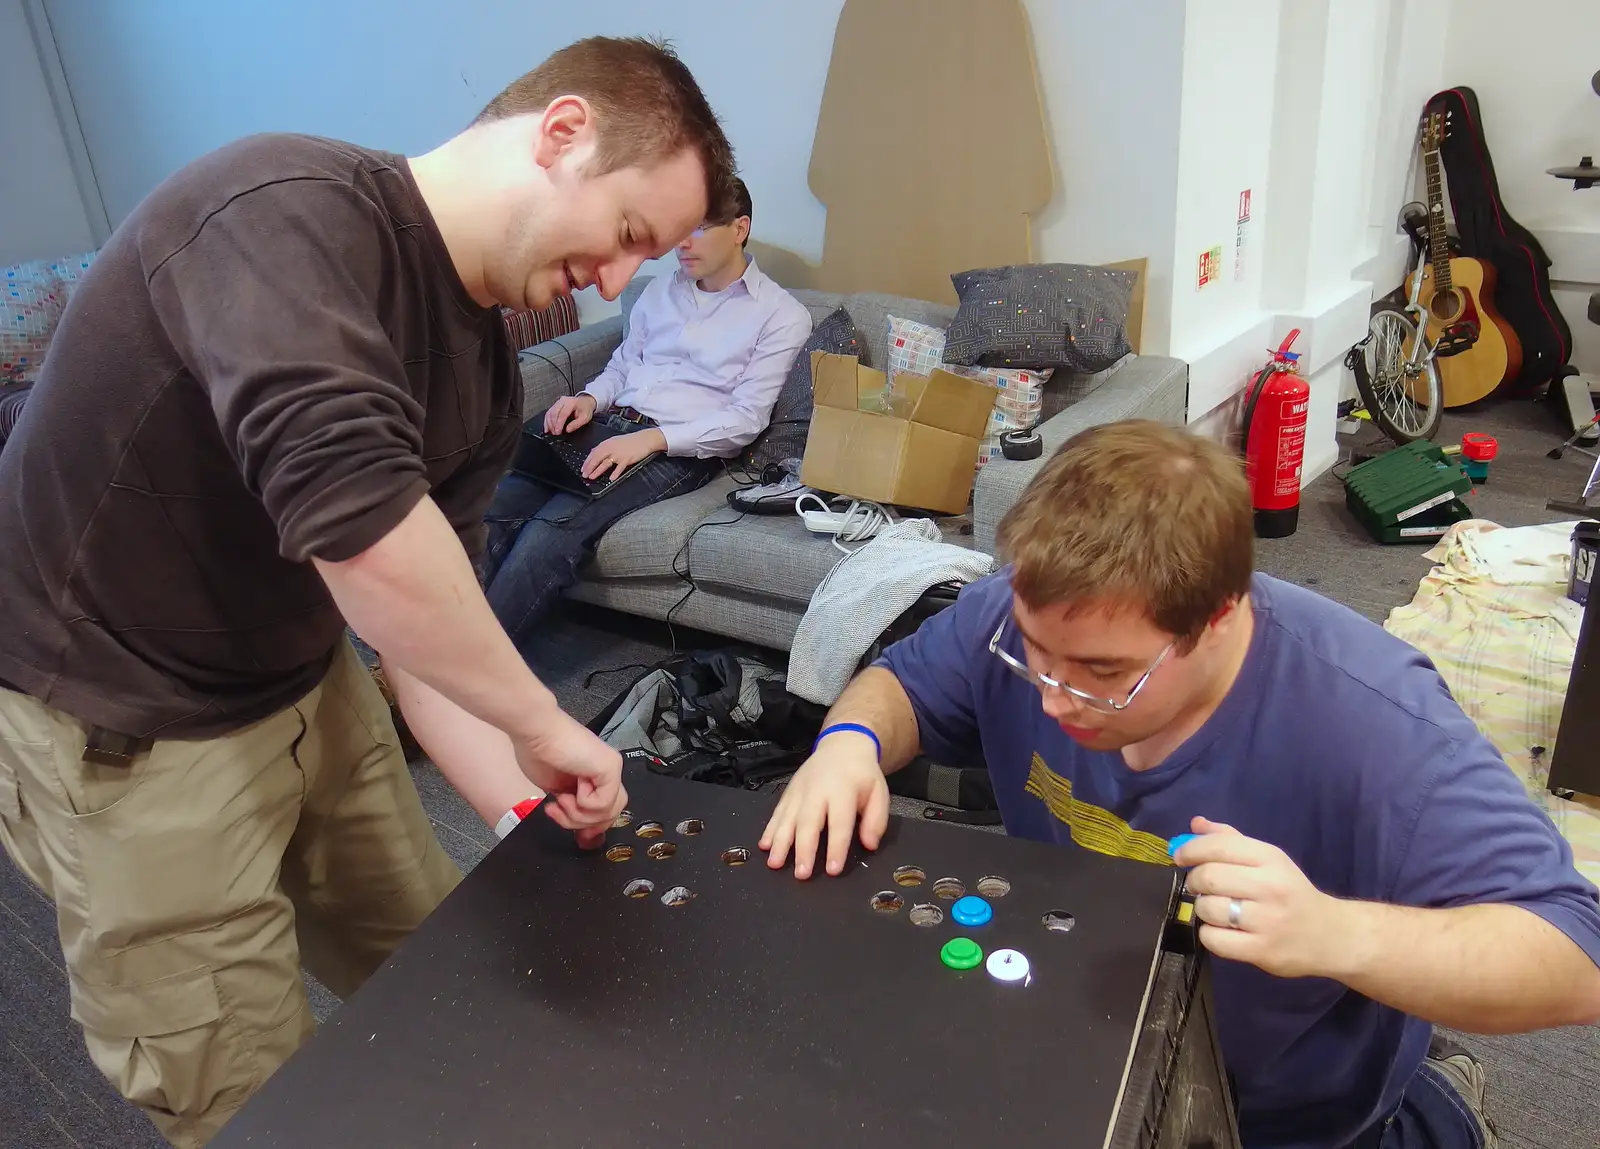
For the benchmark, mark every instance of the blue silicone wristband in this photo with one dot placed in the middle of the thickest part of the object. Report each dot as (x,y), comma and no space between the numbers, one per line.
(855,726)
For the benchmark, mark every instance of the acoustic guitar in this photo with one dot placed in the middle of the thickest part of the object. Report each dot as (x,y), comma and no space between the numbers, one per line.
(1475,349)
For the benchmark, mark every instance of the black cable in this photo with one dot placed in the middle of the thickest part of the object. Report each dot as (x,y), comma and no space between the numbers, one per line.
(569,374)
(687,575)
(588,679)
(684,575)
(748,476)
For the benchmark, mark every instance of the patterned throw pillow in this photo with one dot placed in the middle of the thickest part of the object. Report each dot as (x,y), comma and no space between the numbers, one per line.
(530,328)
(1041,315)
(32,298)
(785,436)
(918,348)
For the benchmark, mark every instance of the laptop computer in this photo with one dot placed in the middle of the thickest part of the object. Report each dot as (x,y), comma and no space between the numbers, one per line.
(557,460)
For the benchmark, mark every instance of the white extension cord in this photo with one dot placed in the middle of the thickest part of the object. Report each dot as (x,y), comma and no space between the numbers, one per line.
(857,523)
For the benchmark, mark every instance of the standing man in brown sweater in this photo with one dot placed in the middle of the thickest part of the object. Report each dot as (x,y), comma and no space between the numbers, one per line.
(278,405)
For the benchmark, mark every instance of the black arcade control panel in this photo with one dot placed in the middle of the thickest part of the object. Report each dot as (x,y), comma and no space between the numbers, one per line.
(669,989)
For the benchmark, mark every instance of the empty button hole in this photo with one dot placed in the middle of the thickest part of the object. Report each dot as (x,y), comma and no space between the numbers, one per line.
(619,853)
(909,876)
(736,855)
(639,888)
(691,826)
(678,896)
(888,902)
(661,851)
(650,830)
(949,889)
(926,914)
(623,819)
(1059,921)
(992,887)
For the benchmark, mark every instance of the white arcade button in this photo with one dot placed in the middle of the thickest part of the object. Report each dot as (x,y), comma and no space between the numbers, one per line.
(1008,966)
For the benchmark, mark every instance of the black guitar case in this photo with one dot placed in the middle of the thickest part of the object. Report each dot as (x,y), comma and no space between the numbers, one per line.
(1487,232)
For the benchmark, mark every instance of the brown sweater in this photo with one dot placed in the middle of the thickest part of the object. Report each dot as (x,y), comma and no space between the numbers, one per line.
(272,359)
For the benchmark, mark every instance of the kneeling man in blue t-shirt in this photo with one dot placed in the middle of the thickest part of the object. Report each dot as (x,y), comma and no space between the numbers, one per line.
(1367,864)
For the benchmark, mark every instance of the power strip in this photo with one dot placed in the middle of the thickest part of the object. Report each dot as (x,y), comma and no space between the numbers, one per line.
(857,523)
(827,522)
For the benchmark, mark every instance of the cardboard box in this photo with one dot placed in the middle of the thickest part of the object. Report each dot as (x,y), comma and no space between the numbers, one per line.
(916,446)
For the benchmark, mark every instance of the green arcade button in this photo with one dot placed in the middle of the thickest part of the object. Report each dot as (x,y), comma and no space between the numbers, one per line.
(961,953)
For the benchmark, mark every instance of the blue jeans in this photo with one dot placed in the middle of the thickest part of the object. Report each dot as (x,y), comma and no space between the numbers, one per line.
(1432,1115)
(539,536)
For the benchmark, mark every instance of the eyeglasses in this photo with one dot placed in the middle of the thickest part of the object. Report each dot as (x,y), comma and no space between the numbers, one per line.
(700,231)
(1044,681)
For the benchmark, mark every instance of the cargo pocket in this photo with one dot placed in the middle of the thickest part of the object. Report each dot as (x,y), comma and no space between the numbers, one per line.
(10,795)
(19,837)
(161,1043)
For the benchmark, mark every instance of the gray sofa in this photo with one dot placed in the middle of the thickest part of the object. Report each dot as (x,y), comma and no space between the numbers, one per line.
(751,577)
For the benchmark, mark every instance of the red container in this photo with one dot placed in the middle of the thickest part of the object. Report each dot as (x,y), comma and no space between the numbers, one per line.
(1477,450)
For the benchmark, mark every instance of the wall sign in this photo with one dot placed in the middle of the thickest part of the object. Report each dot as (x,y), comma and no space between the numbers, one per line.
(1241,235)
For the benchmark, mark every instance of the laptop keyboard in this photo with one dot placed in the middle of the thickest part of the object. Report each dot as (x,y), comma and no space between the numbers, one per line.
(570,453)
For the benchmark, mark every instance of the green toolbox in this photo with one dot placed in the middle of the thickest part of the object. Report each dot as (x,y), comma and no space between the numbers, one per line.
(1407,495)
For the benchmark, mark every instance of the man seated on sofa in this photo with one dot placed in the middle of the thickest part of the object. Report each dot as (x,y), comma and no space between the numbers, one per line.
(1365,863)
(695,380)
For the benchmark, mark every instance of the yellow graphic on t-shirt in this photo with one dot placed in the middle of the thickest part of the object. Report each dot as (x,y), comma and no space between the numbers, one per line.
(1093,828)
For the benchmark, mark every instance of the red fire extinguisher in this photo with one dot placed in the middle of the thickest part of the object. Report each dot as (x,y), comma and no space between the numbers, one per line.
(1274,434)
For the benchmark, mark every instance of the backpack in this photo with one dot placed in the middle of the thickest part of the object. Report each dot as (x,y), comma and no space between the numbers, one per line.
(724,716)
(719,716)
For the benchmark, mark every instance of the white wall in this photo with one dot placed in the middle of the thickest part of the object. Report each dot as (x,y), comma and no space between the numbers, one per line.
(1313,105)
(405,74)
(41,213)
(1161,112)
(1111,76)
(1230,64)
(1532,75)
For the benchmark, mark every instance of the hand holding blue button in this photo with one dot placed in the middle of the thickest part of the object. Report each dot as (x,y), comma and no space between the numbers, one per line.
(1179,843)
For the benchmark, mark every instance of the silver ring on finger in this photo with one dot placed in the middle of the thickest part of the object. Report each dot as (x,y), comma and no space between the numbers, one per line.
(1235,912)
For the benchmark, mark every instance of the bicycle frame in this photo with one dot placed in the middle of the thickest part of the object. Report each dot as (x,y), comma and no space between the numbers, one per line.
(1421,348)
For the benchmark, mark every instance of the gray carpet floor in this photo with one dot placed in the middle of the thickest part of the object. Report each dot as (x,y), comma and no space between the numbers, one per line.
(1544,1088)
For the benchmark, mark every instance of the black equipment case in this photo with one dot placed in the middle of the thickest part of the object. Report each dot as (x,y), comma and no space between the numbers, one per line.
(1487,232)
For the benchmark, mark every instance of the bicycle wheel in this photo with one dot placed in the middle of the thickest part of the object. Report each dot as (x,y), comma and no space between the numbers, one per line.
(1406,402)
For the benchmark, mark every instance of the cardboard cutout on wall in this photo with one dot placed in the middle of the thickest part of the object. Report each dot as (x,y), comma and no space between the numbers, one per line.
(931,153)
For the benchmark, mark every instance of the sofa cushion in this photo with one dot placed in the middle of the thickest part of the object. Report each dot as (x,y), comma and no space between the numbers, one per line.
(526,327)
(871,312)
(645,543)
(918,348)
(32,299)
(771,555)
(1041,315)
(775,557)
(821,304)
(1069,387)
(785,436)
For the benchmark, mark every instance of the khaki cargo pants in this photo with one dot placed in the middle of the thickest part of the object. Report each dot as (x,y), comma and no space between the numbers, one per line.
(191,885)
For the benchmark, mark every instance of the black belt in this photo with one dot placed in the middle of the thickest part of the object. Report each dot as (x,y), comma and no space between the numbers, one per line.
(633,415)
(111,748)
(106,747)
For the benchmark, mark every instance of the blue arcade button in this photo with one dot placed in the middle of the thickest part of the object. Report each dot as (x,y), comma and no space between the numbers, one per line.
(971,911)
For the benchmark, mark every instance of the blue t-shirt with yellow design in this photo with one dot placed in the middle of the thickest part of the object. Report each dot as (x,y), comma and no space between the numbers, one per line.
(1338,743)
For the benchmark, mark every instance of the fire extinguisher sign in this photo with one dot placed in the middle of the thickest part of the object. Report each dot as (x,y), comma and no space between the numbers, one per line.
(1291,447)
(1241,236)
